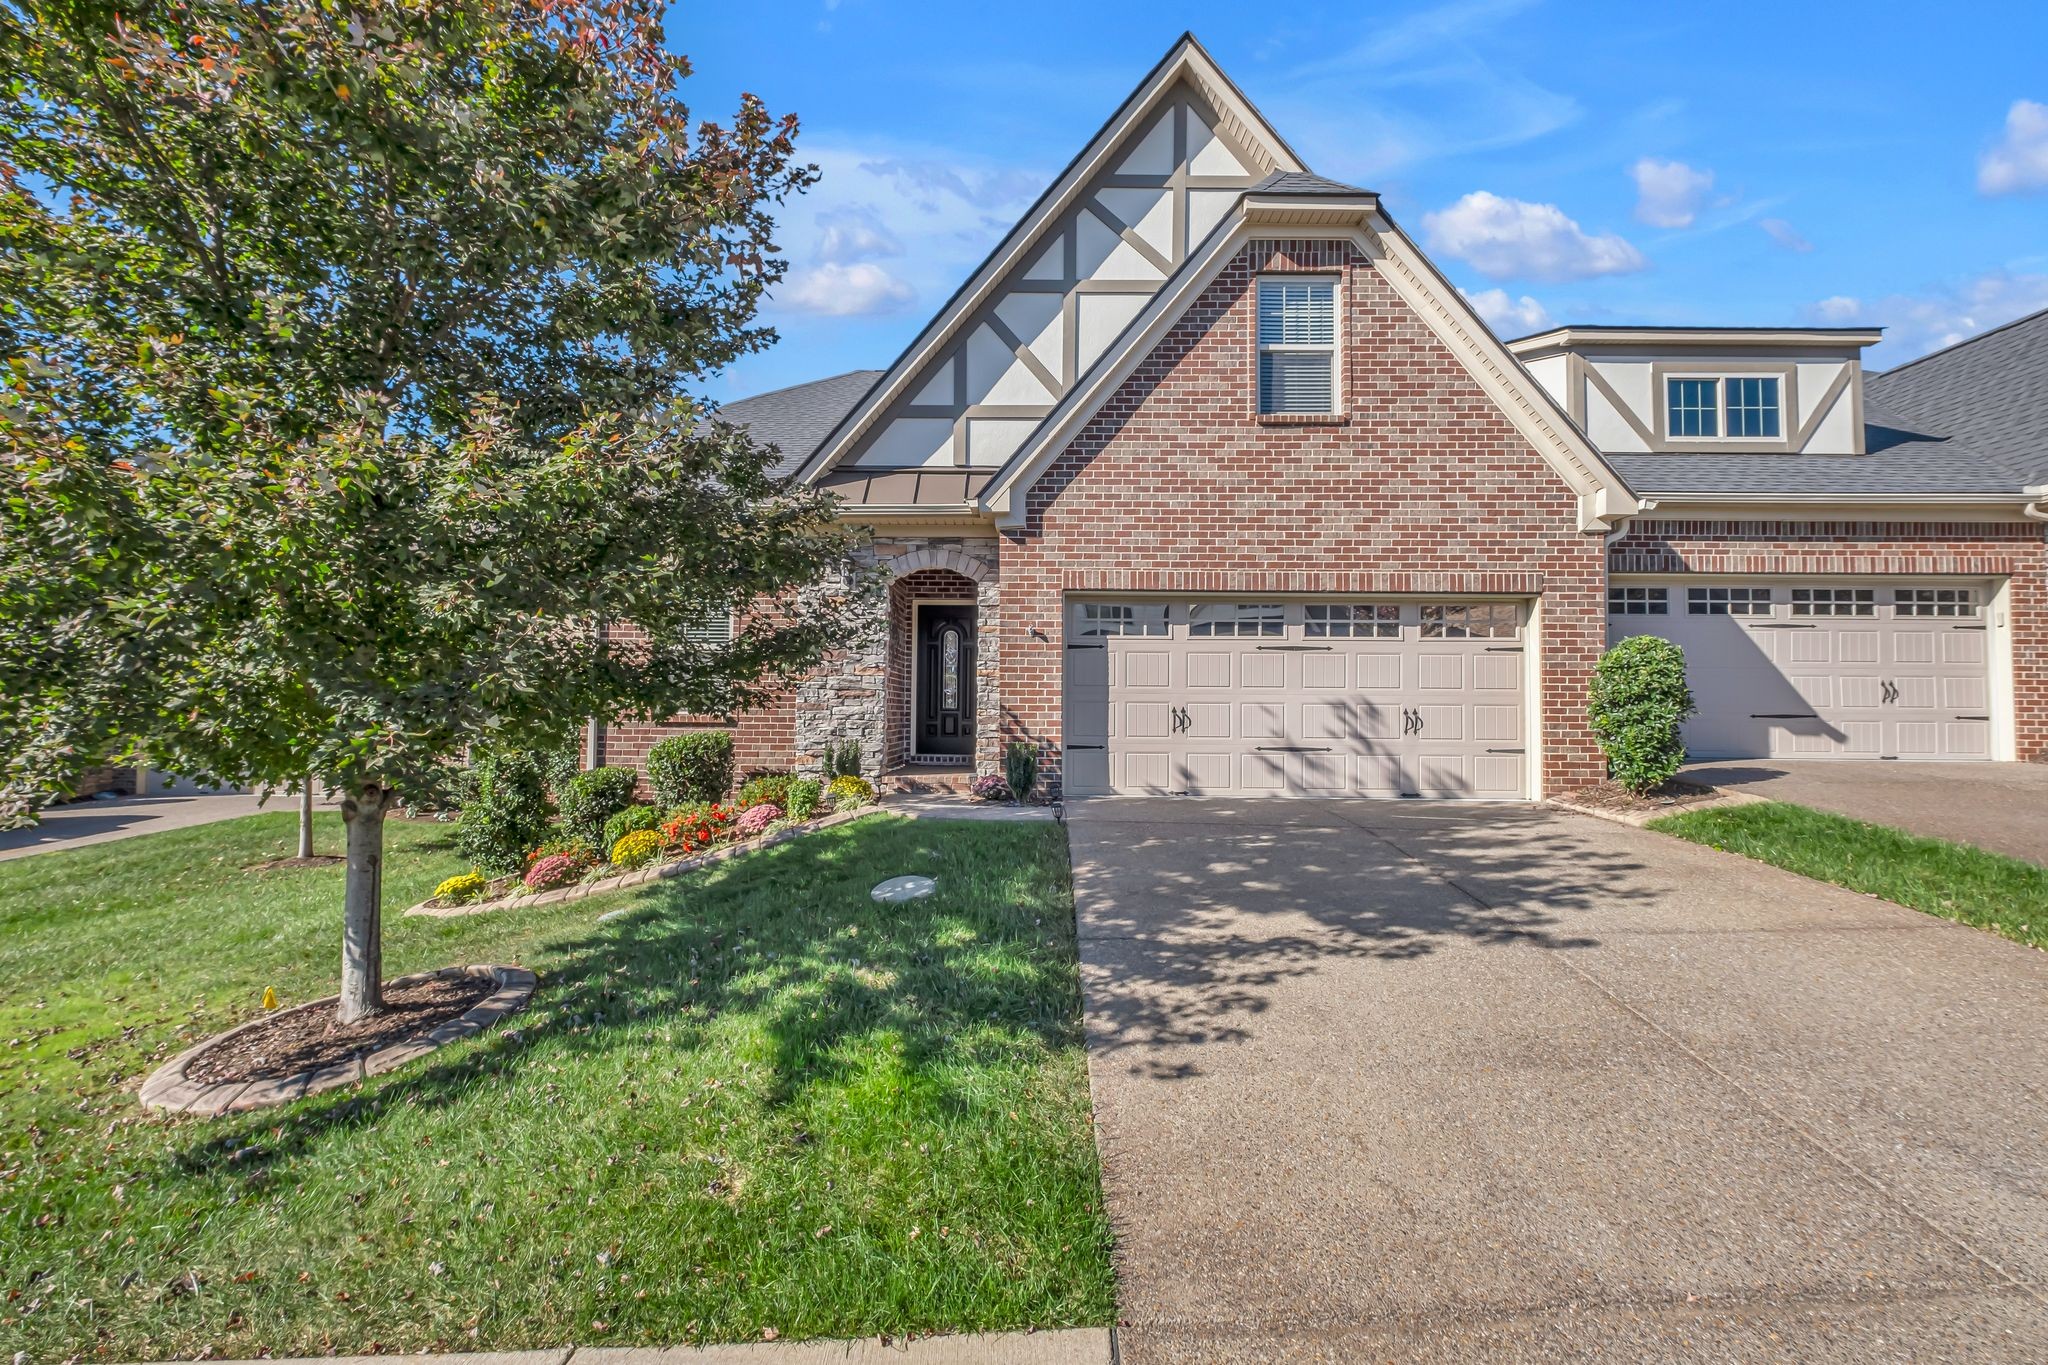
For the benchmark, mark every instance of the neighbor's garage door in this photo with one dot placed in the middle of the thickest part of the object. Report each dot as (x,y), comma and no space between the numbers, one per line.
(1270,698)
(1823,670)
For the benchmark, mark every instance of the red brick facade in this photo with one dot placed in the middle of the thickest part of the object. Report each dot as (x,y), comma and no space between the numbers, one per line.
(2017,551)
(1421,485)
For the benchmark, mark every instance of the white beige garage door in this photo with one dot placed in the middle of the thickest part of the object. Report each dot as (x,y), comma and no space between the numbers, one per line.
(1274,698)
(1823,670)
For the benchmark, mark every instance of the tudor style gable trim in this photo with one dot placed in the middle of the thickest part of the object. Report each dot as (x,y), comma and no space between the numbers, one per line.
(1110,231)
(1603,495)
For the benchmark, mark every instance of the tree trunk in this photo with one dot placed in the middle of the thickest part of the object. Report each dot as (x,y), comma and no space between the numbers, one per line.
(306,819)
(362,934)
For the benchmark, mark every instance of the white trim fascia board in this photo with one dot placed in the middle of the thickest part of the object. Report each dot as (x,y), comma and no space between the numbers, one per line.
(1764,338)
(1323,211)
(897,514)
(1835,506)
(1603,494)
(1187,56)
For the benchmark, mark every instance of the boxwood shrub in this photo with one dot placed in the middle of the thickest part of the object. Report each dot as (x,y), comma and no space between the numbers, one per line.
(1639,699)
(507,815)
(685,769)
(591,798)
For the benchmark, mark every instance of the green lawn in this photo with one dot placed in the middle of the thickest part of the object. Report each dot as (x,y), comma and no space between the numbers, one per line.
(755,1100)
(1954,881)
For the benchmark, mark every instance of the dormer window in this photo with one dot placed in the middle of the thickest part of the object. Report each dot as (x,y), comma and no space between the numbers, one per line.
(1740,407)
(1298,346)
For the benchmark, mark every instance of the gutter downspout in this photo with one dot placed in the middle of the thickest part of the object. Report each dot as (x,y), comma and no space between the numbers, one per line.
(2038,507)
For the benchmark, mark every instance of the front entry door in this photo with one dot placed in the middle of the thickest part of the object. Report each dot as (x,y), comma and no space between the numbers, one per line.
(945,680)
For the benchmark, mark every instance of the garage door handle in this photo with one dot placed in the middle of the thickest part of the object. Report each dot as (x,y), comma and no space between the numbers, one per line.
(1292,749)
(1973,718)
(1087,646)
(1783,715)
(1084,746)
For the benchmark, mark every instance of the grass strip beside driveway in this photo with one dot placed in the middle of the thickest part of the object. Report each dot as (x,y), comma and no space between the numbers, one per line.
(754,1100)
(1954,881)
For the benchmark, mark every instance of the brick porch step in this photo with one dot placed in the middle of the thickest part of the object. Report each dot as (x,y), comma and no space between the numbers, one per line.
(926,781)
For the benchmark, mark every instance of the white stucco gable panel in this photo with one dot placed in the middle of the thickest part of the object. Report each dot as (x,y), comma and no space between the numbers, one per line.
(1064,282)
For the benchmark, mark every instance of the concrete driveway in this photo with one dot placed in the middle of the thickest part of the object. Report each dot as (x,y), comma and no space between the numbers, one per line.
(1999,806)
(1380,1080)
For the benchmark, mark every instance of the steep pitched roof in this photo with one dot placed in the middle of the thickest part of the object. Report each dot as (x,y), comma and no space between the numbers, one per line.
(1107,233)
(1969,420)
(795,419)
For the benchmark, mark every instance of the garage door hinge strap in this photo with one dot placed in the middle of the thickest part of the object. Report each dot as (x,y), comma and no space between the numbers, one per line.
(1087,646)
(1298,649)
(1292,749)
(1507,751)
(1783,715)
(1503,649)
(1084,746)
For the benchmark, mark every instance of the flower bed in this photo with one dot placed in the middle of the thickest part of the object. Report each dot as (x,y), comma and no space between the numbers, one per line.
(694,837)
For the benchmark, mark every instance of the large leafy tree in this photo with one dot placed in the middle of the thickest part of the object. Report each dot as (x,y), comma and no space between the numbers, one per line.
(347,422)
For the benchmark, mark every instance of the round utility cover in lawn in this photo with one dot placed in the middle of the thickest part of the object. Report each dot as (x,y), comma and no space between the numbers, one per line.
(899,889)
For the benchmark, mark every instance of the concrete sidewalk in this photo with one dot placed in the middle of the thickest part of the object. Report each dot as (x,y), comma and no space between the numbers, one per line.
(99,822)
(2002,807)
(1072,1346)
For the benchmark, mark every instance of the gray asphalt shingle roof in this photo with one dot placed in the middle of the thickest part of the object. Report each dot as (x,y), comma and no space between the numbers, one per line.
(794,420)
(1302,182)
(1969,419)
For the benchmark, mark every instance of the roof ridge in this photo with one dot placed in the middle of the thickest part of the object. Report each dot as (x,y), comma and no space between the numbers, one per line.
(1953,347)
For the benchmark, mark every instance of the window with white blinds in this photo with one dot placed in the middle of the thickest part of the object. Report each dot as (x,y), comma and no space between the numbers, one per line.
(709,631)
(1297,345)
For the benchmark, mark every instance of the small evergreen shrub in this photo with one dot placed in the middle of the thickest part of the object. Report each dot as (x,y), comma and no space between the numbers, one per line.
(1638,702)
(848,791)
(804,795)
(508,815)
(692,767)
(765,788)
(1020,766)
(756,819)
(842,760)
(628,820)
(593,797)
(557,869)
(461,889)
(991,787)
(636,849)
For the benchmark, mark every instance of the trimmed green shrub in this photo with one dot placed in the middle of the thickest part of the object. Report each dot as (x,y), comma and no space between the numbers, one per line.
(804,795)
(593,797)
(765,789)
(627,821)
(508,815)
(842,760)
(1638,701)
(559,765)
(1020,767)
(689,768)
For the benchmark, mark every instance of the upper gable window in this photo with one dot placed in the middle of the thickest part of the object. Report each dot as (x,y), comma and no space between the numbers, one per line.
(1297,345)
(1738,406)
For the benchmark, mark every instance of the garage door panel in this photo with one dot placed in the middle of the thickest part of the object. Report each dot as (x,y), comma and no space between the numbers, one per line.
(1379,672)
(1262,670)
(1382,713)
(1261,720)
(1965,694)
(1858,692)
(1913,647)
(1968,738)
(1964,647)
(1817,690)
(1325,671)
(1436,671)
(1262,774)
(1809,647)
(1857,647)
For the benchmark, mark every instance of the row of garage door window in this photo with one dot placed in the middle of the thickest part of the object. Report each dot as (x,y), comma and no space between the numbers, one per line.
(1320,620)
(1757,601)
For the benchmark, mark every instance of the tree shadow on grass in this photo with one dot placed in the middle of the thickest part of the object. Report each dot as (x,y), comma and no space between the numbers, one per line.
(840,987)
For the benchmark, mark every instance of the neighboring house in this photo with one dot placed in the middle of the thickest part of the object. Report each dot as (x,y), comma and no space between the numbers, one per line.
(1208,481)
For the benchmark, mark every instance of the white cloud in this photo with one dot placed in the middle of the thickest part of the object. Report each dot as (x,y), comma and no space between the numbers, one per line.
(854,233)
(842,291)
(1669,193)
(2020,162)
(1511,238)
(1784,234)
(1508,315)
(1918,323)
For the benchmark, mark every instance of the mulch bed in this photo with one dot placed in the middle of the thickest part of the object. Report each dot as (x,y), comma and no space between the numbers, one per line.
(306,1039)
(1668,799)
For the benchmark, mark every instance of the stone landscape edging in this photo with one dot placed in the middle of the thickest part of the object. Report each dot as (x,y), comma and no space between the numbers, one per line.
(1638,819)
(169,1088)
(641,875)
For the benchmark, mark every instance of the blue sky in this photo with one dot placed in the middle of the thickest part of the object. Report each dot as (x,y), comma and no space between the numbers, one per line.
(1743,164)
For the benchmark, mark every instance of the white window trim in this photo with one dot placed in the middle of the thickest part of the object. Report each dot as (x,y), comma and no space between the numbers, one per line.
(1662,376)
(1335,348)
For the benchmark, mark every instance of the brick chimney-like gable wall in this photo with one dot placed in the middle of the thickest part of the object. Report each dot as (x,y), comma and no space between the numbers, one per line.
(1423,485)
